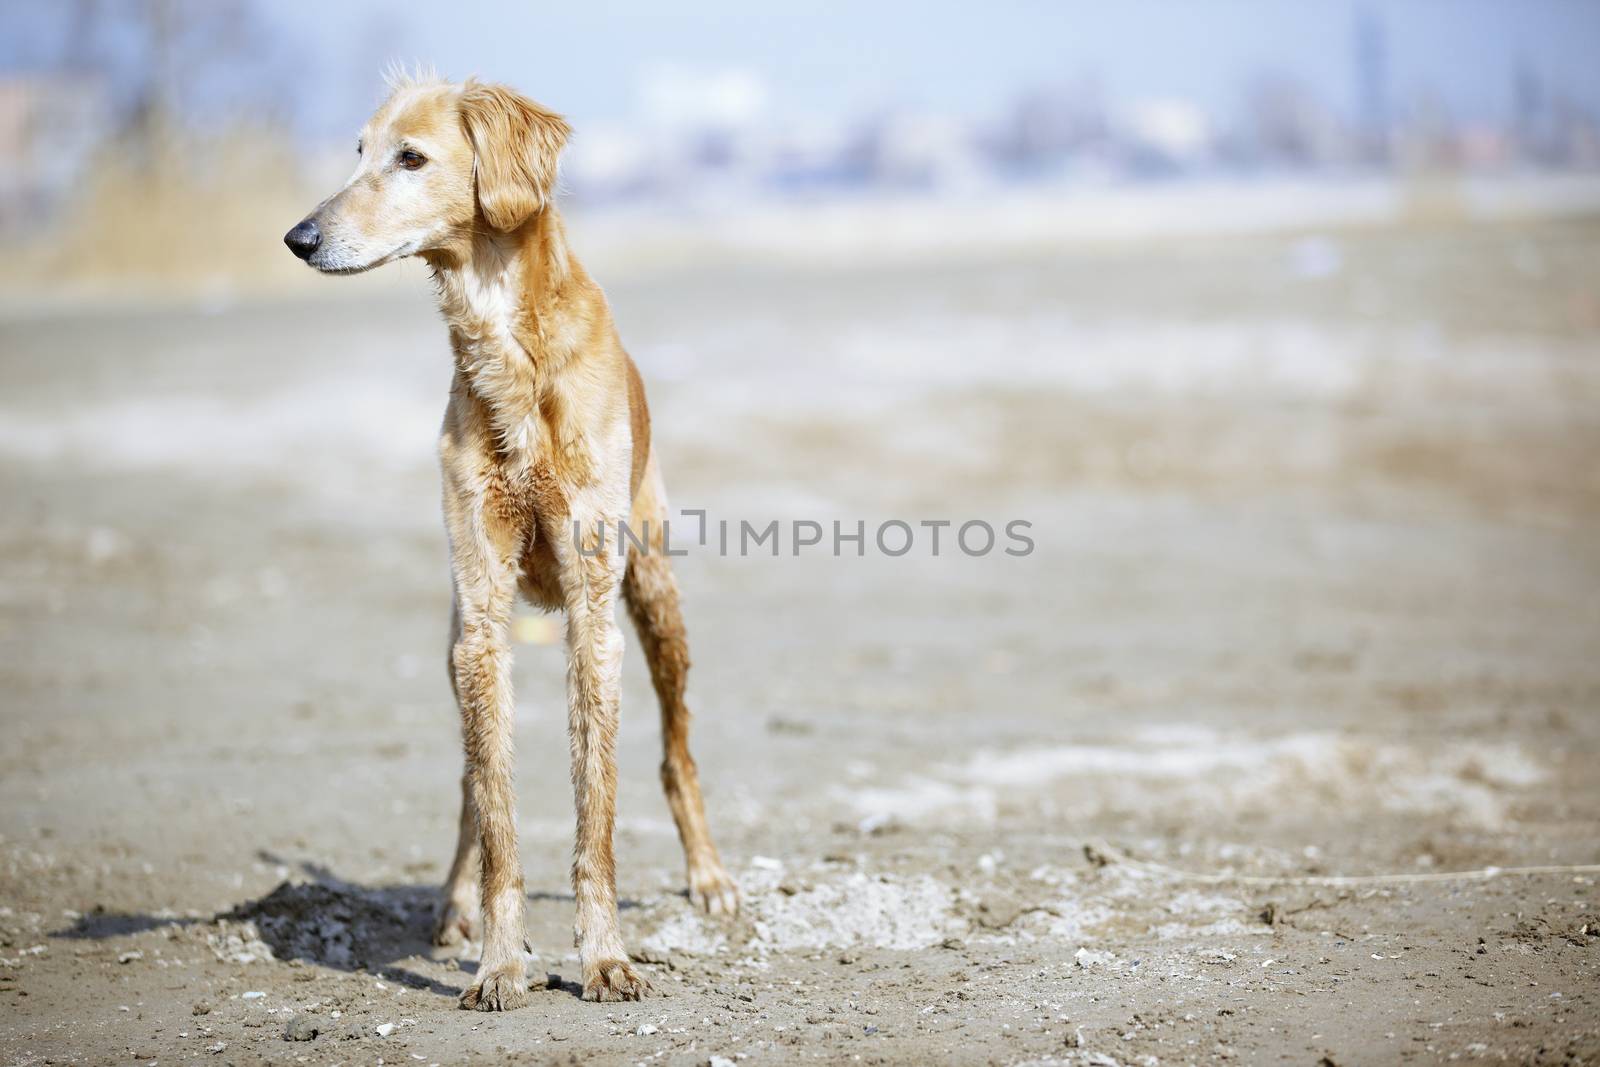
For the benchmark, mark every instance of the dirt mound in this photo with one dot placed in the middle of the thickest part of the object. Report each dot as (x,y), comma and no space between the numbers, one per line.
(334,924)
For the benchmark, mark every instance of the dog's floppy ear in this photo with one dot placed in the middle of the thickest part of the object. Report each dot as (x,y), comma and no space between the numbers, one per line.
(515,145)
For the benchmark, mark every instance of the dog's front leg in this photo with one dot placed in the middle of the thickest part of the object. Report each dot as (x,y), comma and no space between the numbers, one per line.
(591,580)
(485,581)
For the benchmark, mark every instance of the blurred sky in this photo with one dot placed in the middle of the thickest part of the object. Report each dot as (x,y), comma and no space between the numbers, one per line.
(951,56)
(610,61)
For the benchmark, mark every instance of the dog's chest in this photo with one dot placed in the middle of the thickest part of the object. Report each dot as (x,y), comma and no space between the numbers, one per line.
(512,362)
(515,380)
(535,447)
(501,375)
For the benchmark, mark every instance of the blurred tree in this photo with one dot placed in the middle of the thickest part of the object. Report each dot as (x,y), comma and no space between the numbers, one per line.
(167,69)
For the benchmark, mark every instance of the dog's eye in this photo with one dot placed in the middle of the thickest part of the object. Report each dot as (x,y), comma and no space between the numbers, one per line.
(358,148)
(411,160)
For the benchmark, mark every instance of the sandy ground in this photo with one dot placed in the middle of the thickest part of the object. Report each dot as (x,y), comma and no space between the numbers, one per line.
(1313,593)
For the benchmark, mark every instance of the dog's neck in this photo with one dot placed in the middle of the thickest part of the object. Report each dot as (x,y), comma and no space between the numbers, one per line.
(504,280)
(505,297)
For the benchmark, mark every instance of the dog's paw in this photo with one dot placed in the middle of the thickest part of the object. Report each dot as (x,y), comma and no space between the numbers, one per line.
(505,988)
(713,890)
(610,980)
(457,925)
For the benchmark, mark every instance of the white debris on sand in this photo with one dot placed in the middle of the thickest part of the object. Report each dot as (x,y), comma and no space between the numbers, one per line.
(684,931)
(1093,958)
(830,909)
(860,909)
(855,910)
(237,942)
(1471,782)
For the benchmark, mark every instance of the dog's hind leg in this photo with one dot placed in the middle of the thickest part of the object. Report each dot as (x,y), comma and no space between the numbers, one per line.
(458,911)
(652,596)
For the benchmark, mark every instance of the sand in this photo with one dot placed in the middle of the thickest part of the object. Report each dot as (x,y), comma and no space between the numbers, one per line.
(1313,593)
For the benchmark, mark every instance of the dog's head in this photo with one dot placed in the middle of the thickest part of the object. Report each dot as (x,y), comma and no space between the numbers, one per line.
(438,164)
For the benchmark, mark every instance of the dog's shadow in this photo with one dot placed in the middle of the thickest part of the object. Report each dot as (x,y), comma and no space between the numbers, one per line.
(323,920)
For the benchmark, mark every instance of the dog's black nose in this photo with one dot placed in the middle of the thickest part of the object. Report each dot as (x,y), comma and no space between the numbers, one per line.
(304,238)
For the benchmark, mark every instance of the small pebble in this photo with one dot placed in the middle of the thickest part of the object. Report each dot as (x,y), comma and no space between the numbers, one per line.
(302,1028)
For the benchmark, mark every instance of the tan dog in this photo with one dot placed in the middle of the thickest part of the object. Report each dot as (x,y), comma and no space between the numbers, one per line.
(546,427)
